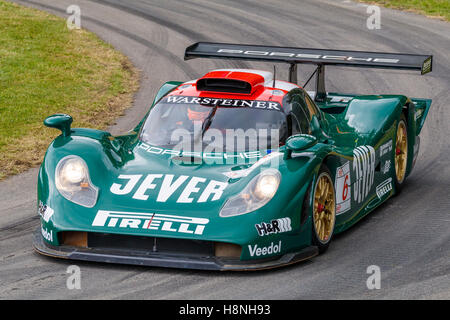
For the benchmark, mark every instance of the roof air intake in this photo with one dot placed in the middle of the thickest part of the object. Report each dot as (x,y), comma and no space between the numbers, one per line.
(224,85)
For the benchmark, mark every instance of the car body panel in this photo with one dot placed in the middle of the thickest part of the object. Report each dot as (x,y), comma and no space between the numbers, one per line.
(356,141)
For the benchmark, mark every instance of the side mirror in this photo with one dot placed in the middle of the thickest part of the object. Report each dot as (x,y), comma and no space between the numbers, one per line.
(61,122)
(299,142)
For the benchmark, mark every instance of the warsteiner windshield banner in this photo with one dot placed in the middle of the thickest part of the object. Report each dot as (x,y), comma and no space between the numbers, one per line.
(221,102)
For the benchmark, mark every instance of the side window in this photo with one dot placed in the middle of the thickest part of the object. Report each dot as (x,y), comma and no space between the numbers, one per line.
(311,106)
(295,124)
(301,113)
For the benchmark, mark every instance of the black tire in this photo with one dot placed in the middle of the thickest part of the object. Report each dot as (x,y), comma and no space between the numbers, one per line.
(316,240)
(399,179)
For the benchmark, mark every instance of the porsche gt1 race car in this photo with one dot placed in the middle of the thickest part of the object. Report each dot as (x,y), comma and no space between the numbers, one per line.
(235,170)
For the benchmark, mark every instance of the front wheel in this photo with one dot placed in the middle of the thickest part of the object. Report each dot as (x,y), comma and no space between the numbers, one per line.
(324,210)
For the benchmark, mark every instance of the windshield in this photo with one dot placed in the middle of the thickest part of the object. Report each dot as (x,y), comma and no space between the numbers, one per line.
(221,125)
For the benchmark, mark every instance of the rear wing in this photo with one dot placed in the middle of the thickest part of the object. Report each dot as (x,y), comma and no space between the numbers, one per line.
(319,57)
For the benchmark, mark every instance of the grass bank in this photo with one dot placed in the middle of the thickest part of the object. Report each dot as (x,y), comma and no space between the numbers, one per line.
(432,8)
(46,68)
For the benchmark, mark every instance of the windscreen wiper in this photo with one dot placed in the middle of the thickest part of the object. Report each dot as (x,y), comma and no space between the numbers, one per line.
(208,120)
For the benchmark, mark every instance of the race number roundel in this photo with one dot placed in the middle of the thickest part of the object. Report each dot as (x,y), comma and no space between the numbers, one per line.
(345,189)
(342,186)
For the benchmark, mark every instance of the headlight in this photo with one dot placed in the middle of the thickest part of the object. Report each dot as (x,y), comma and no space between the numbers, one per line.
(73,182)
(256,194)
(74,171)
(266,186)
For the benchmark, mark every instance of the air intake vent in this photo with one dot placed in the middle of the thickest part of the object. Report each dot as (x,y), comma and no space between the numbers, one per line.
(224,85)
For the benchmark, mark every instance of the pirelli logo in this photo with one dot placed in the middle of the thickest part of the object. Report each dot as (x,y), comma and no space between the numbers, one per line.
(150,221)
(384,188)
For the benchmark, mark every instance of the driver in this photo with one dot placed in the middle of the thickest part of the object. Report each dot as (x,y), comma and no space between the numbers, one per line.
(195,113)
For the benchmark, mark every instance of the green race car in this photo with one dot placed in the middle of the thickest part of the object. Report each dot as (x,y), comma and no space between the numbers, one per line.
(236,170)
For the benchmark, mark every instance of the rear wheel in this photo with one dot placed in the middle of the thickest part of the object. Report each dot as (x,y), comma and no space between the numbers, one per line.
(401,153)
(324,210)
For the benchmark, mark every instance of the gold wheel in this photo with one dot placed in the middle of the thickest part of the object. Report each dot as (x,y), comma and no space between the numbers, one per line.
(324,211)
(401,151)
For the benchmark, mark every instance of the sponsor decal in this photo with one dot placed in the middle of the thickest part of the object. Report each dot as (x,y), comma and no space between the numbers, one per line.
(45,211)
(194,189)
(386,148)
(275,226)
(342,186)
(308,56)
(386,166)
(384,188)
(271,249)
(233,103)
(47,235)
(427,65)
(237,174)
(150,221)
(204,155)
(364,167)
(418,114)
(341,99)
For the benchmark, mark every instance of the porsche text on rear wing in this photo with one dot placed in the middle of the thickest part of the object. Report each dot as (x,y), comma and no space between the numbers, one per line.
(319,57)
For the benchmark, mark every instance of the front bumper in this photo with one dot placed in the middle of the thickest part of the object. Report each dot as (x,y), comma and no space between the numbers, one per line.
(168,260)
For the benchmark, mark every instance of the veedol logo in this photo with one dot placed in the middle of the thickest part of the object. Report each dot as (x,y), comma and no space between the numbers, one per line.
(47,235)
(150,221)
(309,56)
(275,226)
(272,249)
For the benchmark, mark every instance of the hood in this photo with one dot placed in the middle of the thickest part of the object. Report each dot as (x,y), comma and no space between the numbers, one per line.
(144,187)
(138,176)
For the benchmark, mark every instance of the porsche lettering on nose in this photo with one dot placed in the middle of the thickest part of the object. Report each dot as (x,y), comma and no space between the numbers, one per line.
(194,189)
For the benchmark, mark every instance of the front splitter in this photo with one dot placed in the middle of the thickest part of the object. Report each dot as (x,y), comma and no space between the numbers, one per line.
(167,260)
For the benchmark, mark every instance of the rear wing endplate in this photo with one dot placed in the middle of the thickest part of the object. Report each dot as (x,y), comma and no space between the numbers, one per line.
(319,57)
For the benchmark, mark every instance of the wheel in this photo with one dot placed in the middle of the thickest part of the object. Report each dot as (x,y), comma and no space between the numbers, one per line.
(324,210)
(401,153)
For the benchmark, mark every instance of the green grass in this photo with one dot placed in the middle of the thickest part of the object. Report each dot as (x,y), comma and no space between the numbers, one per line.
(432,8)
(46,68)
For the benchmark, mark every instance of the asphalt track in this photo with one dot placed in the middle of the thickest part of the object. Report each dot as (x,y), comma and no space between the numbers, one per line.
(408,237)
